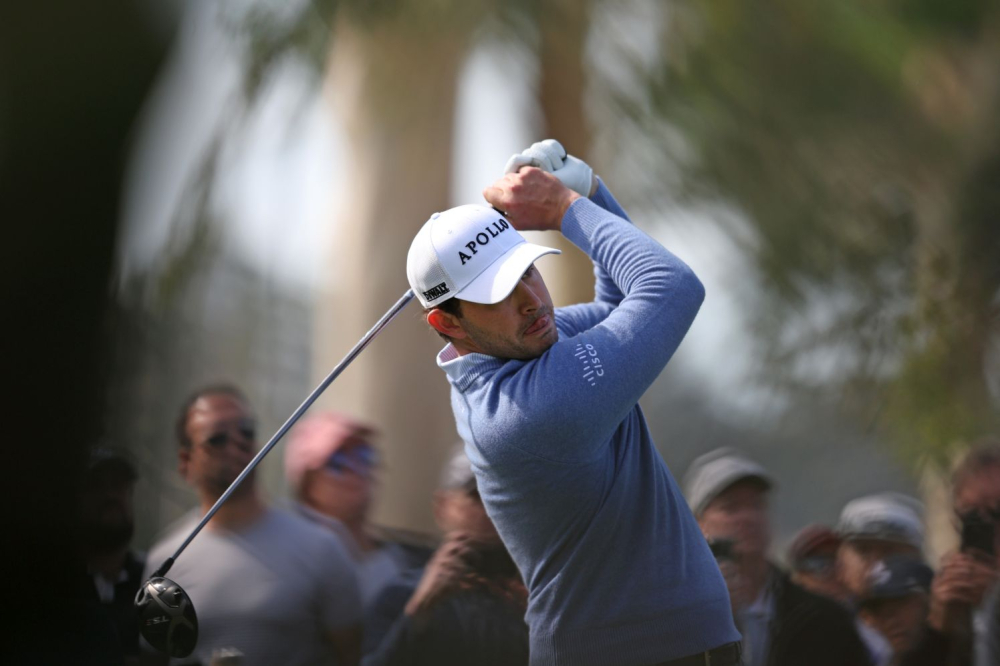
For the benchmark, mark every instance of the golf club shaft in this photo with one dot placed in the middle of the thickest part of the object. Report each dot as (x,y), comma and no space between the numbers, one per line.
(351,355)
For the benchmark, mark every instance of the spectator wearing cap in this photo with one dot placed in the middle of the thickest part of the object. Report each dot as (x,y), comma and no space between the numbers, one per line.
(107,521)
(963,624)
(782,623)
(812,556)
(873,528)
(467,605)
(896,601)
(330,465)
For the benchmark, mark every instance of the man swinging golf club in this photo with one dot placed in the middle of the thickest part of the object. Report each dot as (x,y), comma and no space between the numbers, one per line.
(617,569)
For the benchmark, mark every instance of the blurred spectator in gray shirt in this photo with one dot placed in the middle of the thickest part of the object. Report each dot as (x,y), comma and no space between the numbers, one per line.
(264,582)
(331,464)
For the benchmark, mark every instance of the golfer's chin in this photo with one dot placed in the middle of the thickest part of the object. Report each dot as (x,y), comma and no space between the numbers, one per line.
(537,345)
(550,338)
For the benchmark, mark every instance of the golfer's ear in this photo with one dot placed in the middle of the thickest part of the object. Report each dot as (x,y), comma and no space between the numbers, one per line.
(445,324)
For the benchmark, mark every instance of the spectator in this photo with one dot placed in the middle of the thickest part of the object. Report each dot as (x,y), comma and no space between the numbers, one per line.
(782,624)
(330,463)
(114,569)
(467,606)
(962,625)
(873,528)
(812,556)
(896,601)
(265,582)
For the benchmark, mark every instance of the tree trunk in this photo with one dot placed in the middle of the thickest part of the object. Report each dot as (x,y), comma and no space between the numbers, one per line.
(394,89)
(563,26)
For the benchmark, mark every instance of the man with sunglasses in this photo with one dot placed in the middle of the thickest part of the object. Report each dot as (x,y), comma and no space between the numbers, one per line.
(330,466)
(265,582)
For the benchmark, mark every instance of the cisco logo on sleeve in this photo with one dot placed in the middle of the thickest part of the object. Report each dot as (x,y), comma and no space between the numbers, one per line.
(590,363)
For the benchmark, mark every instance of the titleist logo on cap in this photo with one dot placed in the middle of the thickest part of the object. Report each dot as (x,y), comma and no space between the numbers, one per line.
(482,238)
(436,292)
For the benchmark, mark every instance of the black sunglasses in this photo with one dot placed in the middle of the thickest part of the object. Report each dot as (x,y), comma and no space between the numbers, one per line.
(359,459)
(816,564)
(246,428)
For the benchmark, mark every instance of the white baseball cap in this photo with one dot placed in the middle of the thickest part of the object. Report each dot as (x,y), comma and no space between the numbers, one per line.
(885,517)
(471,253)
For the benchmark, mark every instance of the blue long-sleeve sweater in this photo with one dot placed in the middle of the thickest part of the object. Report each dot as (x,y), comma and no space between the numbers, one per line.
(617,569)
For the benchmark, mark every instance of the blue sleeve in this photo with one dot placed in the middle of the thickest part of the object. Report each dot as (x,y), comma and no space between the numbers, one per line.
(605,288)
(574,319)
(566,404)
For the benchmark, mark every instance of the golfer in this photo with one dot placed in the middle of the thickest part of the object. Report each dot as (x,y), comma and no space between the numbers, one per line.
(616,567)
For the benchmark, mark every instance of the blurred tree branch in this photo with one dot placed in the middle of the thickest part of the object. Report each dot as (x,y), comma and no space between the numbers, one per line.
(861,141)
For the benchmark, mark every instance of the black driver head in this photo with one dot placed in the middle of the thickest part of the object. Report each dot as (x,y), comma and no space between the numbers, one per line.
(166,617)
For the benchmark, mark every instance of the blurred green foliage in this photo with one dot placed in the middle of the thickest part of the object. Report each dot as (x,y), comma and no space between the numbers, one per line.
(860,139)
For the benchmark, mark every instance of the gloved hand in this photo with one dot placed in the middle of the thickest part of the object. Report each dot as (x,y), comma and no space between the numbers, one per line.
(550,156)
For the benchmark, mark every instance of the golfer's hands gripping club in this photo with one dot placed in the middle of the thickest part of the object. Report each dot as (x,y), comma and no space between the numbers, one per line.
(531,199)
(550,156)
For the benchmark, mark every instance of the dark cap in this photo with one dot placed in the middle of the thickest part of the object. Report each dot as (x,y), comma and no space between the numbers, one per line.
(110,461)
(811,540)
(896,577)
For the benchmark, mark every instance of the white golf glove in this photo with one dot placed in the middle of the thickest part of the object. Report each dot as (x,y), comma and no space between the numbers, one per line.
(550,156)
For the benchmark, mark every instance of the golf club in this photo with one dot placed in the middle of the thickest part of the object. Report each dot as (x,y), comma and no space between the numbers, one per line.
(166,615)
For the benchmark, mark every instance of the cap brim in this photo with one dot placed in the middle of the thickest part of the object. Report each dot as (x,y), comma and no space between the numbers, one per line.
(874,596)
(499,278)
(880,536)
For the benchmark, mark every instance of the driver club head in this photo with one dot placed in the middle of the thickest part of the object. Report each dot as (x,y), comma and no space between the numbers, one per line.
(166,617)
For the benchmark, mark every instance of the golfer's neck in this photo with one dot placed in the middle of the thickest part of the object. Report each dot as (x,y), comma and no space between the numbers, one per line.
(241,509)
(462,348)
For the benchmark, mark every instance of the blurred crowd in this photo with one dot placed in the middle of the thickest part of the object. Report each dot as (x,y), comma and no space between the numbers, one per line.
(314,582)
